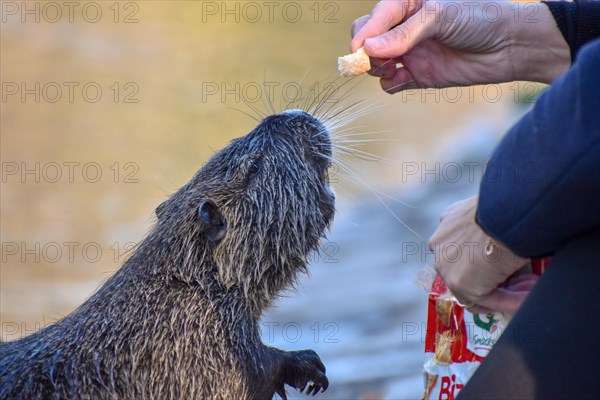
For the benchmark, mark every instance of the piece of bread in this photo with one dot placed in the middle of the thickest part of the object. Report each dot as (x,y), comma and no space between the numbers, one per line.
(431,380)
(443,309)
(443,347)
(354,64)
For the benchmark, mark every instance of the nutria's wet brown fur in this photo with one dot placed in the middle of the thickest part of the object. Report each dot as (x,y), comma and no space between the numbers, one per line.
(179,320)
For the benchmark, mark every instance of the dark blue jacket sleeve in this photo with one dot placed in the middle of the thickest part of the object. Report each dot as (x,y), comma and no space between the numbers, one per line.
(578,21)
(542,184)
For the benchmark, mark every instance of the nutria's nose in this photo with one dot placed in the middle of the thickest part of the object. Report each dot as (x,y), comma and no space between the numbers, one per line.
(298,124)
(315,135)
(296,112)
(314,128)
(300,115)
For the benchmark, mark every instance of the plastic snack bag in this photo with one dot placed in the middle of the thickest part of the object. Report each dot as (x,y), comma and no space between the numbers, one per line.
(457,341)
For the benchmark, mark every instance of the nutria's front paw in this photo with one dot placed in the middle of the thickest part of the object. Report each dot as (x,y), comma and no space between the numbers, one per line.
(302,367)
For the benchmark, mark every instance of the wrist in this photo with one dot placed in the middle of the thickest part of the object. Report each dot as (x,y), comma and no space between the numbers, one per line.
(538,50)
(495,250)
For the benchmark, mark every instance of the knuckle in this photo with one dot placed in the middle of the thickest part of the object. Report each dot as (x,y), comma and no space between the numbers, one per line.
(478,293)
(401,34)
(384,10)
(355,27)
(431,244)
(446,213)
(454,284)
(385,13)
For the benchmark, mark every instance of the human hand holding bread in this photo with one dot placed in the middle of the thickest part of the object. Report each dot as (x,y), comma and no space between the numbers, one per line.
(421,44)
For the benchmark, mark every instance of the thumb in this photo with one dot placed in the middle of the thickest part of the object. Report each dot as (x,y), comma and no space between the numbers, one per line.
(402,38)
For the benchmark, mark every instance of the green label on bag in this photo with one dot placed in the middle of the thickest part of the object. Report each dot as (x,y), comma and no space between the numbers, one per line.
(483,331)
(487,325)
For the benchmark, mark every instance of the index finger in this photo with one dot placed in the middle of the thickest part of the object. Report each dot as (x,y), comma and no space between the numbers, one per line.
(385,15)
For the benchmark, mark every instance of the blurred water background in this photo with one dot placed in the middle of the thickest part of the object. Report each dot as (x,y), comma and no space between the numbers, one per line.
(108,107)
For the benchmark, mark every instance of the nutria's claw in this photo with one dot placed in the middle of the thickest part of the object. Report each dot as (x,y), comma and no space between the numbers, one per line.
(304,367)
(281,392)
(314,389)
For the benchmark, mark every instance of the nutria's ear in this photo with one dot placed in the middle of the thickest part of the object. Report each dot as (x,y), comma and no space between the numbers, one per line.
(213,225)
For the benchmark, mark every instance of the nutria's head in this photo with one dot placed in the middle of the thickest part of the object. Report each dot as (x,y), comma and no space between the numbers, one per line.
(255,211)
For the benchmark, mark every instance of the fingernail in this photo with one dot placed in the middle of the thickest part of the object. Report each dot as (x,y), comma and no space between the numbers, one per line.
(375,43)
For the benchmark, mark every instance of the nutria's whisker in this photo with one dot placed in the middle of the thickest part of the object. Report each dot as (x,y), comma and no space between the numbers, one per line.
(353,151)
(350,132)
(352,164)
(401,85)
(245,113)
(359,141)
(266,93)
(337,89)
(333,113)
(359,133)
(364,108)
(319,97)
(248,104)
(302,102)
(349,91)
(347,115)
(378,195)
(359,156)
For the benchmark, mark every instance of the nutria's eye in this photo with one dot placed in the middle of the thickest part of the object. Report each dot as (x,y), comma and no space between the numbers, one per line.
(254,168)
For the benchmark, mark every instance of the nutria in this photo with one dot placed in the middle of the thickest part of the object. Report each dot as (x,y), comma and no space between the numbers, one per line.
(179,319)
